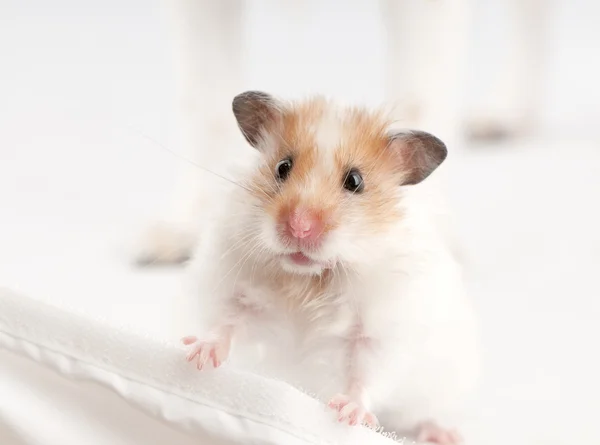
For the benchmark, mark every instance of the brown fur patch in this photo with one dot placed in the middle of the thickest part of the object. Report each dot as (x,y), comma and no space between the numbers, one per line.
(363,145)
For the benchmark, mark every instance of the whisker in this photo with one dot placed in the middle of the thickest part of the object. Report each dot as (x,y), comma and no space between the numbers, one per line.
(250,253)
(183,158)
(255,239)
(243,242)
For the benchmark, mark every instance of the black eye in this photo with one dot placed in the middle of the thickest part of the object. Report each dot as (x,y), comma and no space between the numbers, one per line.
(354,182)
(283,169)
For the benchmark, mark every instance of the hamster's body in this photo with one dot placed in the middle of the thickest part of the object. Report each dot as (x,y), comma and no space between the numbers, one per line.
(361,302)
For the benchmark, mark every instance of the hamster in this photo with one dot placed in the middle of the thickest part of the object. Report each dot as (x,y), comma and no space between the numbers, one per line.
(326,258)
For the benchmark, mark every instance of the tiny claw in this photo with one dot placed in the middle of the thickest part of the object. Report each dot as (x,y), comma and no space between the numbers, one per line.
(352,420)
(433,433)
(371,421)
(352,413)
(213,356)
(190,339)
(338,402)
(208,354)
(192,354)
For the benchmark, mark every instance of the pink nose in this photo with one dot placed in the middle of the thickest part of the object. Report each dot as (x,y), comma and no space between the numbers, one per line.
(304,225)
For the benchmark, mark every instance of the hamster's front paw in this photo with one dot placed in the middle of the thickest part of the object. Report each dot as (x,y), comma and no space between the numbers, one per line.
(430,432)
(212,353)
(352,412)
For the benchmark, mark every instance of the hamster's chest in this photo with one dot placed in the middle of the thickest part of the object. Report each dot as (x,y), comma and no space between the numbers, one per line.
(299,325)
(298,304)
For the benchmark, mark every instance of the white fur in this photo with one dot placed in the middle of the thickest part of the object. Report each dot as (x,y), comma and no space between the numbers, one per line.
(401,291)
(328,132)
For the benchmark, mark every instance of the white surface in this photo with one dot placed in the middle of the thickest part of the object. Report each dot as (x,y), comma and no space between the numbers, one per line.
(75,181)
(78,405)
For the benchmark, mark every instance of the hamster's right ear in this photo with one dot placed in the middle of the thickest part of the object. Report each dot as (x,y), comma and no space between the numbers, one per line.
(256,113)
(420,153)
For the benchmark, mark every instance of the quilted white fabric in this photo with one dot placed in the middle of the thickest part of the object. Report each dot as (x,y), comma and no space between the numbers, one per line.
(61,375)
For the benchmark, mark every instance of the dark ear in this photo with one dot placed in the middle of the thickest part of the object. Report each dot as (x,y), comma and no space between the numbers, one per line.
(420,153)
(256,112)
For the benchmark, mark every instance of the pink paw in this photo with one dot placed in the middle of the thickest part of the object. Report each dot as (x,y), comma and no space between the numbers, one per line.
(212,353)
(429,432)
(351,412)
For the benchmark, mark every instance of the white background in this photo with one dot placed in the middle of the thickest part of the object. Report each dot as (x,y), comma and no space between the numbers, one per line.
(83,85)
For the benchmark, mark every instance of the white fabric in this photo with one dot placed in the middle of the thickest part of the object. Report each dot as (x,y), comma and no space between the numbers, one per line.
(161,399)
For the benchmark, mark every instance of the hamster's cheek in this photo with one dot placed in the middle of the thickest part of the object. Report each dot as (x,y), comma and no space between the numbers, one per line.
(338,246)
(268,234)
(348,244)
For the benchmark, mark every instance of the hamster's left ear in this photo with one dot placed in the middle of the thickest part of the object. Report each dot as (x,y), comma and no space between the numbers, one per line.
(419,153)
(257,113)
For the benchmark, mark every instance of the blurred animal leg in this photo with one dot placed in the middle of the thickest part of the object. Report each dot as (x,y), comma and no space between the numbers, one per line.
(511,101)
(207,48)
(427,50)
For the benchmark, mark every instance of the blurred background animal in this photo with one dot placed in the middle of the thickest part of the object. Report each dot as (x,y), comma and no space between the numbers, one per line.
(426,58)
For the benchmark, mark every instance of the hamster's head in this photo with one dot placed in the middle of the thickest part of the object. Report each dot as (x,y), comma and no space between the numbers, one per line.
(327,189)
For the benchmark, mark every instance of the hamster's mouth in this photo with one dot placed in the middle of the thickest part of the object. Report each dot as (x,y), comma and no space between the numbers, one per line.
(300,259)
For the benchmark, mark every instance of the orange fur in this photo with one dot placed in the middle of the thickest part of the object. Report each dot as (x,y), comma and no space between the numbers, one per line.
(363,145)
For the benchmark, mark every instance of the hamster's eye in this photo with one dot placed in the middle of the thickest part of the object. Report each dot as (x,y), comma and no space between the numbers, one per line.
(354,182)
(283,169)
